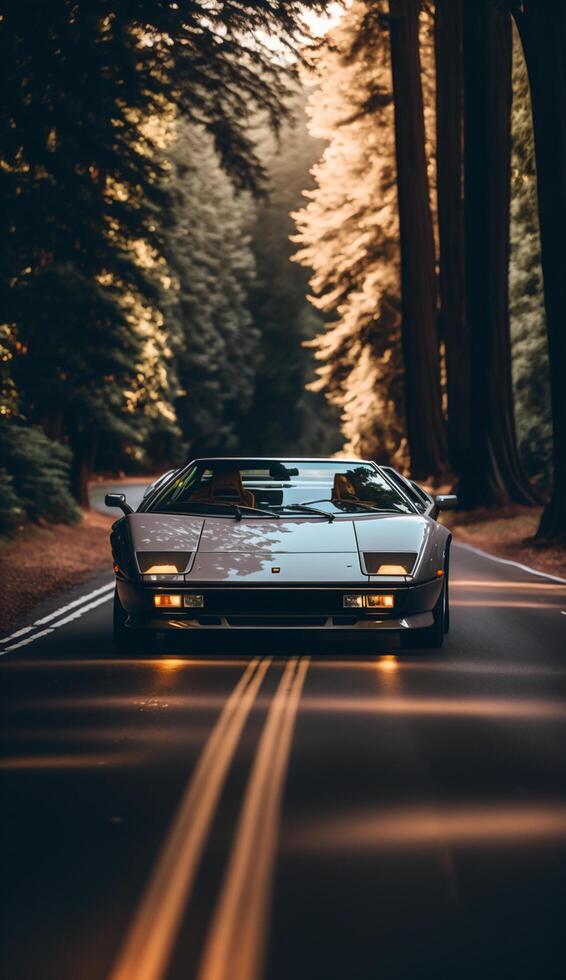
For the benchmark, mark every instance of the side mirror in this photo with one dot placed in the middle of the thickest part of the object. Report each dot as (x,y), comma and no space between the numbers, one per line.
(446,501)
(118,500)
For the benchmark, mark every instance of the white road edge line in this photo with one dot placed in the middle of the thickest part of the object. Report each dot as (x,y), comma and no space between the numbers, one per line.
(62,622)
(58,612)
(508,561)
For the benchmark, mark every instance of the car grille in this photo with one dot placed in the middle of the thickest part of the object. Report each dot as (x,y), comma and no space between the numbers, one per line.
(260,603)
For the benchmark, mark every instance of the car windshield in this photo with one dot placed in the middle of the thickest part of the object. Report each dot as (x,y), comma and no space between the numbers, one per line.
(254,489)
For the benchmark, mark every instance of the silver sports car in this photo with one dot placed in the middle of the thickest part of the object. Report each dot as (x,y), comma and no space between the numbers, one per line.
(309,544)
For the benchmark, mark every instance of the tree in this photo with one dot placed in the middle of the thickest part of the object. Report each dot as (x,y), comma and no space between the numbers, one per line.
(82,177)
(542,26)
(348,234)
(449,154)
(425,423)
(35,480)
(81,189)
(209,250)
(284,417)
(492,474)
(529,344)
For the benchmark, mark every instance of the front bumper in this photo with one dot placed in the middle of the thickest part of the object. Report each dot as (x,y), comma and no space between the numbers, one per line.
(276,608)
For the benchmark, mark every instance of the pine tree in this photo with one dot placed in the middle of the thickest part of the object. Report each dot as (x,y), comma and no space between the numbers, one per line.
(82,179)
(210,255)
(526,291)
(349,236)
(284,417)
(449,146)
(492,473)
(542,26)
(425,422)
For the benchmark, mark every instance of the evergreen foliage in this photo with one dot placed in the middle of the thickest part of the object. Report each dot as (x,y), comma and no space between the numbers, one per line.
(211,257)
(34,481)
(284,417)
(349,236)
(11,512)
(526,291)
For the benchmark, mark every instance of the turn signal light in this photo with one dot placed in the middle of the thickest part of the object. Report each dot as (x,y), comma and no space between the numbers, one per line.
(380,601)
(166,601)
(391,570)
(371,601)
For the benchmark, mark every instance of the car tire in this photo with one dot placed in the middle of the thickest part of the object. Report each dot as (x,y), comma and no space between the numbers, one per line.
(432,637)
(122,635)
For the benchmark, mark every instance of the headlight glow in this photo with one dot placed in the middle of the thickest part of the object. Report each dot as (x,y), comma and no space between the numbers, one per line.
(163,562)
(372,600)
(380,601)
(389,562)
(161,570)
(167,601)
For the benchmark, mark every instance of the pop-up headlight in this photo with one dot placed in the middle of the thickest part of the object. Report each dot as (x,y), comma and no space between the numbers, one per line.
(168,566)
(389,563)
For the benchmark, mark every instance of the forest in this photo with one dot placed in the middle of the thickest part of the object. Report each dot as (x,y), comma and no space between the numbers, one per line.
(283,228)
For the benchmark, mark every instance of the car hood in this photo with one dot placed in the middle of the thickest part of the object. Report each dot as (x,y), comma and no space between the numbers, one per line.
(293,549)
(388,532)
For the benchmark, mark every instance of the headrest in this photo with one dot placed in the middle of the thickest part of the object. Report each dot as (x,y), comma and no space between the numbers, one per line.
(343,488)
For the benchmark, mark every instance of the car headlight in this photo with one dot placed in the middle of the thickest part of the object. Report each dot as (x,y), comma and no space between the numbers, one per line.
(371,600)
(389,562)
(167,566)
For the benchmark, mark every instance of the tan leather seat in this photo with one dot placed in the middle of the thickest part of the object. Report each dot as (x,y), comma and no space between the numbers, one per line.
(343,488)
(225,485)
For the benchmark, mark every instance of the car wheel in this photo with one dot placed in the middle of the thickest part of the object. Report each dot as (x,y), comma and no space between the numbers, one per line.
(122,635)
(432,637)
(447,592)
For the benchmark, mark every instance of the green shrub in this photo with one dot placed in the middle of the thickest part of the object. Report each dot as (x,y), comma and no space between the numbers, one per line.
(35,480)
(11,512)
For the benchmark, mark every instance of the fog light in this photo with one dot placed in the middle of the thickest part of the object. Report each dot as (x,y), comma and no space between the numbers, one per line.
(194,601)
(165,601)
(380,601)
(391,570)
(353,601)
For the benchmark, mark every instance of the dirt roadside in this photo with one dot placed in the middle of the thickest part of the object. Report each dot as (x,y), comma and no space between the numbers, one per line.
(41,561)
(508,534)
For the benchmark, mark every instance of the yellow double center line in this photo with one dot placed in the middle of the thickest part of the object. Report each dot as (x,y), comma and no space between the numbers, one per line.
(148,945)
(235,944)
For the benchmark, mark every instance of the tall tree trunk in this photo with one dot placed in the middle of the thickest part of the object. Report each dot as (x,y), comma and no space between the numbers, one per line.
(492,474)
(449,165)
(425,423)
(83,447)
(542,26)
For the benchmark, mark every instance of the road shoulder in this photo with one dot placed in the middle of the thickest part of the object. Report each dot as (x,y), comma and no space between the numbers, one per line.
(41,563)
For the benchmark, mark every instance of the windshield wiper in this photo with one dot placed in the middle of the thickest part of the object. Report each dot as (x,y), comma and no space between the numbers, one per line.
(235,509)
(238,510)
(254,510)
(356,503)
(305,509)
(351,503)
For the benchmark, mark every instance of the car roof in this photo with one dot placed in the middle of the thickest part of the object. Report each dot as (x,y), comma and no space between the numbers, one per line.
(281,459)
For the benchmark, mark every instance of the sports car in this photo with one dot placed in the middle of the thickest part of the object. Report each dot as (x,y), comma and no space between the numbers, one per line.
(286,544)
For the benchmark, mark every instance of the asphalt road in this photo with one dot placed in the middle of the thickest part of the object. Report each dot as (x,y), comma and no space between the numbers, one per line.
(251,811)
